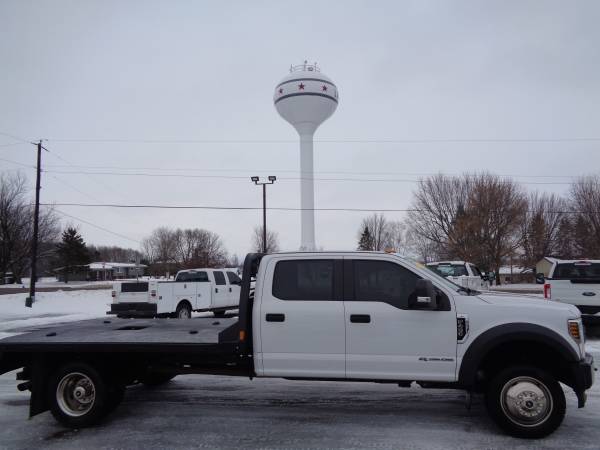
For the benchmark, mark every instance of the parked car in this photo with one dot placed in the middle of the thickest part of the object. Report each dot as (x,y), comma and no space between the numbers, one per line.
(338,316)
(463,273)
(576,282)
(215,290)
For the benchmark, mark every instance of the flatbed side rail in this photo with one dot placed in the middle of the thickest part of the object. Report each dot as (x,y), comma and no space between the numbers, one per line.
(241,332)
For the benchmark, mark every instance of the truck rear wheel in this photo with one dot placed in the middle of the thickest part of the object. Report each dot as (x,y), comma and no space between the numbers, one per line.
(78,396)
(183,311)
(219,313)
(526,402)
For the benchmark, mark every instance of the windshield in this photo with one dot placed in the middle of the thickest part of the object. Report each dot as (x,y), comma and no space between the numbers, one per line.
(449,270)
(577,271)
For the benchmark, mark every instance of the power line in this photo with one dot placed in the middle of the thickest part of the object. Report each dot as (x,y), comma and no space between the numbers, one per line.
(12,136)
(234,177)
(327,141)
(13,143)
(95,226)
(17,163)
(255,170)
(253,208)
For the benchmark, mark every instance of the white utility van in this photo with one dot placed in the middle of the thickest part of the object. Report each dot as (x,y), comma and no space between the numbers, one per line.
(216,290)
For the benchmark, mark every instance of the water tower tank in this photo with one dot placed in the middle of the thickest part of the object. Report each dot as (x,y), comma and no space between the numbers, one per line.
(306,98)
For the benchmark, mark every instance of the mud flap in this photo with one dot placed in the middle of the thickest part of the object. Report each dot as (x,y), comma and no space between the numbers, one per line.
(39,379)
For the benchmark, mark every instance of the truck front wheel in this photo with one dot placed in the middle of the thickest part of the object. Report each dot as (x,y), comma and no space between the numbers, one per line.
(526,402)
(77,395)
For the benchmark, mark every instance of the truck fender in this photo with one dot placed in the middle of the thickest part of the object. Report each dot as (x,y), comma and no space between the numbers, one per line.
(506,333)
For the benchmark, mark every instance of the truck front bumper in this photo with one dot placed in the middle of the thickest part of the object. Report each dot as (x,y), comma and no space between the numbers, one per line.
(583,377)
(136,309)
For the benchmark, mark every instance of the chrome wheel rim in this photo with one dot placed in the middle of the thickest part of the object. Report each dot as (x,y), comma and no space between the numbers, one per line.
(75,394)
(184,313)
(526,401)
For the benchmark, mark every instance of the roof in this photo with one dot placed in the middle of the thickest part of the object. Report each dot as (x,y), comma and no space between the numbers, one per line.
(456,263)
(112,265)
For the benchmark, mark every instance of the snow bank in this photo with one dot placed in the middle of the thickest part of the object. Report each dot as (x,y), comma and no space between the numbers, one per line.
(51,307)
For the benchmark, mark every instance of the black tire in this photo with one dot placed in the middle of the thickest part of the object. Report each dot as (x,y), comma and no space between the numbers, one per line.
(77,395)
(183,311)
(219,313)
(157,379)
(526,402)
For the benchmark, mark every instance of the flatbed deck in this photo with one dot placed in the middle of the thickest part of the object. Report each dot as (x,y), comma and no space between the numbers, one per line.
(117,335)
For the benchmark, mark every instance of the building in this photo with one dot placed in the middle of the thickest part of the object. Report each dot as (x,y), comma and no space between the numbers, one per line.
(544,265)
(101,271)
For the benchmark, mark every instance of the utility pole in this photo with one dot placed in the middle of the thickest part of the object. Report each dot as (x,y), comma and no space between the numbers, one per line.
(256,180)
(36,215)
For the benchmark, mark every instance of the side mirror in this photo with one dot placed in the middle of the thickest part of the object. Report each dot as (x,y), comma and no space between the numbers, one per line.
(424,296)
(540,278)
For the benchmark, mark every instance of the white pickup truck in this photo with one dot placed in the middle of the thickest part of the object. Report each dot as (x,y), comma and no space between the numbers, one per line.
(338,316)
(216,290)
(463,273)
(576,282)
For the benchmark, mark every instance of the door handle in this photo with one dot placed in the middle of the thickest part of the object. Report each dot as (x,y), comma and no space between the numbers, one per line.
(360,318)
(270,317)
(217,290)
(229,289)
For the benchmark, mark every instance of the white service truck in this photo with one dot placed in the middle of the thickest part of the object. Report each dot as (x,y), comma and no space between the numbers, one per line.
(463,273)
(576,282)
(216,290)
(337,316)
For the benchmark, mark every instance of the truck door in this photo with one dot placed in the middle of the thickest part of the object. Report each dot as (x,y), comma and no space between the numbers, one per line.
(184,289)
(235,283)
(384,338)
(301,319)
(220,292)
(203,290)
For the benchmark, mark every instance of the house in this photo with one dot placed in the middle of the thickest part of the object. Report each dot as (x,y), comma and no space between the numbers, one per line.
(544,265)
(101,271)
(515,275)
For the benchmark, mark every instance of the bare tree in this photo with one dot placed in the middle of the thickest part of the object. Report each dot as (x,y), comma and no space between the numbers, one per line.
(378,227)
(585,202)
(272,240)
(160,246)
(472,217)
(16,230)
(396,237)
(199,248)
(114,253)
(541,228)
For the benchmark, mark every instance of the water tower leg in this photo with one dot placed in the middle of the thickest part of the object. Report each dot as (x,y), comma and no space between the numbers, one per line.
(307,194)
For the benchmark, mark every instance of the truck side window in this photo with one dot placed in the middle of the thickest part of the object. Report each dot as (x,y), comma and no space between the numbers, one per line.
(303,280)
(184,276)
(233,278)
(200,277)
(383,281)
(219,277)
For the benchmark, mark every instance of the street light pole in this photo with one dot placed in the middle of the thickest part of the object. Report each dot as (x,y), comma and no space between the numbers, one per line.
(256,180)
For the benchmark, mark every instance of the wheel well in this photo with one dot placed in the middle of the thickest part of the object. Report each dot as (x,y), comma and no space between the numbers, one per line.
(536,354)
(184,302)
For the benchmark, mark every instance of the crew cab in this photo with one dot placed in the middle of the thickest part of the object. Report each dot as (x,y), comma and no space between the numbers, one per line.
(576,282)
(344,316)
(463,273)
(216,290)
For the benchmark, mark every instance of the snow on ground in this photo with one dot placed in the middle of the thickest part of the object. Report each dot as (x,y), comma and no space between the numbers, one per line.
(51,307)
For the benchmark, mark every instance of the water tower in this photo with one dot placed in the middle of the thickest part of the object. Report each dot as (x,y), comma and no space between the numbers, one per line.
(306,98)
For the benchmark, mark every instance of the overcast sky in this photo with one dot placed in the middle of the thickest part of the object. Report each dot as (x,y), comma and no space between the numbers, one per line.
(97,78)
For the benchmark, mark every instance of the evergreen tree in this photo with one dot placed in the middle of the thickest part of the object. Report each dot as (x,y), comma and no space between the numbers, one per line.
(72,251)
(366,241)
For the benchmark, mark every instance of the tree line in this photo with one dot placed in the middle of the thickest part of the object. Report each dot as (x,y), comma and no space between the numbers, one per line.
(488,219)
